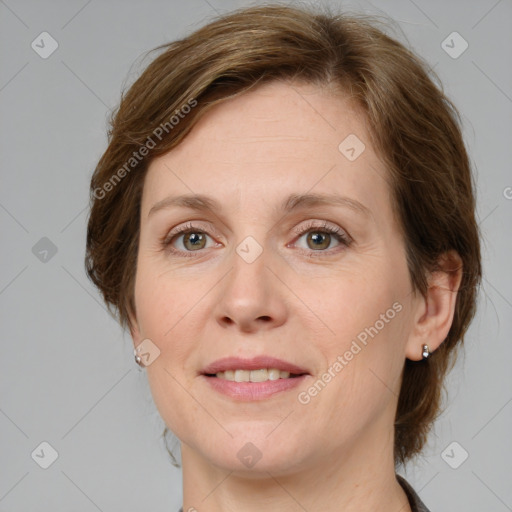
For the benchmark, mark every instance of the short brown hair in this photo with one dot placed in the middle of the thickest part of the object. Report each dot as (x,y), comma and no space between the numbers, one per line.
(413,126)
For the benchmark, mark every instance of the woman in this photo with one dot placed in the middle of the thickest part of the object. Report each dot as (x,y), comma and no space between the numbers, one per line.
(284,220)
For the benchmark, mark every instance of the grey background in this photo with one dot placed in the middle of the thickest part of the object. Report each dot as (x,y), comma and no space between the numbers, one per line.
(67,372)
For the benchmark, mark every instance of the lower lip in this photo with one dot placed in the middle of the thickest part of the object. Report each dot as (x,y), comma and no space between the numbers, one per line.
(253,390)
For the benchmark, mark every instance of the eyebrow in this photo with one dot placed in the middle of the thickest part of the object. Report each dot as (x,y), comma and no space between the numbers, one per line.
(292,202)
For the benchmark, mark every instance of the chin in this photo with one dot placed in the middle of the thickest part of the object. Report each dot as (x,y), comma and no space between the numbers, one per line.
(257,455)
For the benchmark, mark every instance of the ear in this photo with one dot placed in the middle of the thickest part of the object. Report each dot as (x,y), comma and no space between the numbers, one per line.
(434,313)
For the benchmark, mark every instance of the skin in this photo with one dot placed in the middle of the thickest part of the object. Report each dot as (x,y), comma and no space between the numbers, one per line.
(249,153)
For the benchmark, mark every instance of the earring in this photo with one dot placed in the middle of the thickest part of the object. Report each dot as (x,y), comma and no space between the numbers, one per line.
(138,359)
(426,352)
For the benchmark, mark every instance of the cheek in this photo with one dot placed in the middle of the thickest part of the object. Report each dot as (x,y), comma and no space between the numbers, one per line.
(167,317)
(162,300)
(164,315)
(350,304)
(360,382)
(364,338)
(174,402)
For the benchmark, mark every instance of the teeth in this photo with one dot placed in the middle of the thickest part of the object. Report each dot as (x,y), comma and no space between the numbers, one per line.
(253,375)
(274,374)
(242,376)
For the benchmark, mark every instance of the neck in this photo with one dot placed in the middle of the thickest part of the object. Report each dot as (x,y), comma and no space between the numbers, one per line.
(357,479)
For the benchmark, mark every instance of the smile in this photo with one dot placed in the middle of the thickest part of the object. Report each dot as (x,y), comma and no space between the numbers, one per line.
(248,390)
(261,375)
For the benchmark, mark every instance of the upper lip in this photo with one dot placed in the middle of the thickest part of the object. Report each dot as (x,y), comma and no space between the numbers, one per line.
(255,363)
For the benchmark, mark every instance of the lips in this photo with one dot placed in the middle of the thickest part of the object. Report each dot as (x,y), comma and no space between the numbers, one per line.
(255,363)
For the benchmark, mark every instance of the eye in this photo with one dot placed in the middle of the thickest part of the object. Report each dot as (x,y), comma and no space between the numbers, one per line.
(319,238)
(186,239)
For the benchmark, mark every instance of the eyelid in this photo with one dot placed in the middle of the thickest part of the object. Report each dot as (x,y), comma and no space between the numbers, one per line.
(320,224)
(190,225)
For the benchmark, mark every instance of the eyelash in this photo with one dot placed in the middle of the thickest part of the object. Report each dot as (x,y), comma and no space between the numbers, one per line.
(339,235)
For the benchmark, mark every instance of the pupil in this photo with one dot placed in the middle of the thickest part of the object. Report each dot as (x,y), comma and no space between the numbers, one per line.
(319,239)
(195,239)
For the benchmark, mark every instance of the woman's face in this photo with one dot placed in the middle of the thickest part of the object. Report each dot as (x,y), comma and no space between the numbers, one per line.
(260,274)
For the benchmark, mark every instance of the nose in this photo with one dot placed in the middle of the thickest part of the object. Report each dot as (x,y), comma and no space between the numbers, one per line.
(251,297)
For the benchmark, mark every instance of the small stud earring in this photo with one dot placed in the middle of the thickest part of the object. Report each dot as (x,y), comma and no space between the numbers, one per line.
(426,352)
(138,359)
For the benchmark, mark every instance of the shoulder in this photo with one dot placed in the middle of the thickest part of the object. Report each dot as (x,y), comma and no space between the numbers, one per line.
(416,504)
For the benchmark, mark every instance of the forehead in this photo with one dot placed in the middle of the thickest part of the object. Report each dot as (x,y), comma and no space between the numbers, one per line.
(269,142)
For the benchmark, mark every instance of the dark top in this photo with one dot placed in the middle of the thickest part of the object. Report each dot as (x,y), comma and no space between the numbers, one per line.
(414,500)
